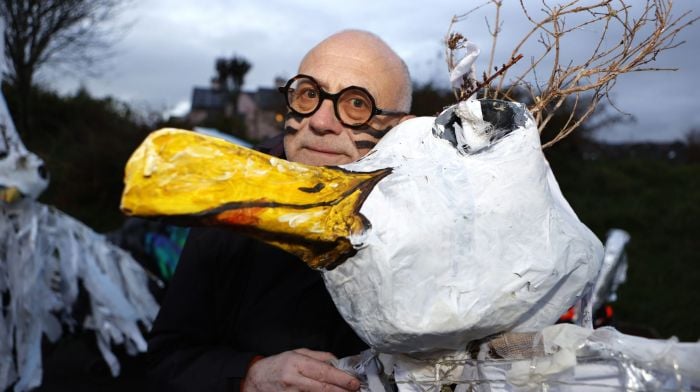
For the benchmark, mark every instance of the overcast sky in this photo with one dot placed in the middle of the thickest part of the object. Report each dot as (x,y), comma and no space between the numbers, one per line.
(171,47)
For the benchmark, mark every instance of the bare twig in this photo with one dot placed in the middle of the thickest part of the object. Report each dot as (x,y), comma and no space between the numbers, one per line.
(494,34)
(628,38)
(468,91)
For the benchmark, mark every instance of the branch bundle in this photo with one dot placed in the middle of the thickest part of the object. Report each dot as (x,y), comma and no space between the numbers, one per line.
(625,38)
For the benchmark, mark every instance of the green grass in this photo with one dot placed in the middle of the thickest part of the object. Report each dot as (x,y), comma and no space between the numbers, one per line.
(658,203)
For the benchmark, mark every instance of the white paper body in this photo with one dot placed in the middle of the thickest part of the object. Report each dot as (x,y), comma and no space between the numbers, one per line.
(465,241)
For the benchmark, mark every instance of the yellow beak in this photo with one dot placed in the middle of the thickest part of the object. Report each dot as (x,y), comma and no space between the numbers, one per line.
(309,211)
(9,195)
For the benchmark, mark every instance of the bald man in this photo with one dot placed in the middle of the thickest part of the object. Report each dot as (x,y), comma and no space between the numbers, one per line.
(349,58)
(240,314)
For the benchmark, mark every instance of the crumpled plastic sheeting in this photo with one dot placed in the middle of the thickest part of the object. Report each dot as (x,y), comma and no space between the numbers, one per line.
(466,67)
(466,240)
(44,253)
(574,359)
(613,272)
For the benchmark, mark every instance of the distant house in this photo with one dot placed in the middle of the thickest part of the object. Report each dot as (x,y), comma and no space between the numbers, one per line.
(206,102)
(262,111)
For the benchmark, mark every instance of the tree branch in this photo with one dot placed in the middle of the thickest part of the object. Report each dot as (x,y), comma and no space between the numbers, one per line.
(628,39)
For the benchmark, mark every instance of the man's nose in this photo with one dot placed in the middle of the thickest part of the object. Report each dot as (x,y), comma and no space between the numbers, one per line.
(324,120)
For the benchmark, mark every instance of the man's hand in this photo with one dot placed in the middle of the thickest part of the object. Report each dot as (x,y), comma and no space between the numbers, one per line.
(298,370)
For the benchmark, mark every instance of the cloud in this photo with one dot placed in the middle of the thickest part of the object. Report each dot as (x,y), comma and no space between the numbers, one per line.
(172,45)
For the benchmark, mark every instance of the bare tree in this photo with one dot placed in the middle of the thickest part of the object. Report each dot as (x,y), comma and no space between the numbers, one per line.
(222,76)
(628,38)
(39,32)
(238,68)
(230,74)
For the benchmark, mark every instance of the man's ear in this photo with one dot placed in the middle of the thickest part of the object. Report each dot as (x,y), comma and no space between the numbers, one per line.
(406,117)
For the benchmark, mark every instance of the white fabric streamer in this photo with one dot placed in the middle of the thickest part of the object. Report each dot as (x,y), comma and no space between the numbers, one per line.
(44,253)
(466,66)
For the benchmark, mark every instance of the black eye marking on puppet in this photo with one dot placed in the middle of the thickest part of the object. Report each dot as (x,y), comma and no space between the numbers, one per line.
(294,116)
(290,129)
(317,188)
(375,133)
(360,144)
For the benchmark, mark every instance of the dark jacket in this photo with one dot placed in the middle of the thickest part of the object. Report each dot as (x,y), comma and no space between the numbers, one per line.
(233,298)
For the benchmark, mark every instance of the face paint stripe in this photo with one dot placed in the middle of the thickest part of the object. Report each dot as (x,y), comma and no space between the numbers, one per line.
(360,144)
(294,116)
(375,133)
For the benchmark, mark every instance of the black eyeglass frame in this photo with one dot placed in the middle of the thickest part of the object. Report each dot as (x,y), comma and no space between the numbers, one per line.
(323,95)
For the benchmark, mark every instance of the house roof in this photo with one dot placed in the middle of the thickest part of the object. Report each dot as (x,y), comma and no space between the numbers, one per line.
(270,99)
(206,98)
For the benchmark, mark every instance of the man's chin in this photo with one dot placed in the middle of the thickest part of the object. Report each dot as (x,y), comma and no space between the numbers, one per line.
(320,158)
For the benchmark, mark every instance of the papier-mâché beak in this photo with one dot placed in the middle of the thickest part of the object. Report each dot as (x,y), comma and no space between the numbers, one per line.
(306,210)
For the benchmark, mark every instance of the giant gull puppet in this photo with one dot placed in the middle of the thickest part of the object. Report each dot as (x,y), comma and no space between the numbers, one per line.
(452,231)
(45,257)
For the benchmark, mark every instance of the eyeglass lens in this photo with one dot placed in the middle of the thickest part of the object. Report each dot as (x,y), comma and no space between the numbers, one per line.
(352,105)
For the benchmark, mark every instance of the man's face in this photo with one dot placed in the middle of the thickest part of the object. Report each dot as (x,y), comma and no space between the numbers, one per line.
(321,139)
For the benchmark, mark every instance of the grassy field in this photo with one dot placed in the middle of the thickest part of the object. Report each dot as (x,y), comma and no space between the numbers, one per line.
(658,203)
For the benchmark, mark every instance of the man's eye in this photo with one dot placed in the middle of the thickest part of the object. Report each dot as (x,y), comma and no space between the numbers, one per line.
(310,93)
(357,103)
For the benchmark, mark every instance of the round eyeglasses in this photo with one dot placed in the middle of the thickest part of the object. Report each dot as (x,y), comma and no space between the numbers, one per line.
(354,106)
